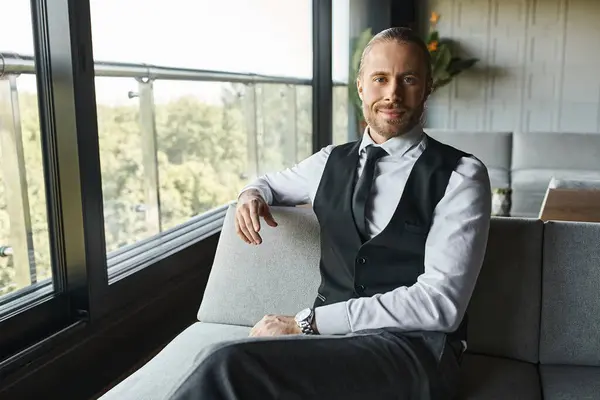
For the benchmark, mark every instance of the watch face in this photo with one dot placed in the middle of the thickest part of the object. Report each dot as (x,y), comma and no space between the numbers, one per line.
(302,315)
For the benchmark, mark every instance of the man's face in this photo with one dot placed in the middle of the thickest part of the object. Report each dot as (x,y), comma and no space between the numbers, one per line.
(393,87)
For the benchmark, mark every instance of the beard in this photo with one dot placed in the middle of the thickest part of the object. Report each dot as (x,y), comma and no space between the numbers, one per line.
(389,128)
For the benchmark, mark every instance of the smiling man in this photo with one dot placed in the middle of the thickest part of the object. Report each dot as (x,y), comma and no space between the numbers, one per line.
(404,225)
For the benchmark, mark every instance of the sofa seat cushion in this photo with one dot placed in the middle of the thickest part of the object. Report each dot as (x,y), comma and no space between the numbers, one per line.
(490,378)
(163,373)
(570,382)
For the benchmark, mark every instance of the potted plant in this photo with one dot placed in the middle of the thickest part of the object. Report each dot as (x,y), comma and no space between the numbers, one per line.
(444,64)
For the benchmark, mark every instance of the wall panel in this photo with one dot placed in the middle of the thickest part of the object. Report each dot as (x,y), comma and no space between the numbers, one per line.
(537,69)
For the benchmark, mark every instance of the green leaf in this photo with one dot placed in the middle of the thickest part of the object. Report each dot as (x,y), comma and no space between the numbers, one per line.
(441,60)
(457,65)
(360,44)
(434,36)
(357,48)
(441,83)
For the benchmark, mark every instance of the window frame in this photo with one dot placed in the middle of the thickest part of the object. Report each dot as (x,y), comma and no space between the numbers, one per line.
(88,283)
(322,111)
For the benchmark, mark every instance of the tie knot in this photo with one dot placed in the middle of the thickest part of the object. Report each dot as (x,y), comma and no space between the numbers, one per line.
(375,153)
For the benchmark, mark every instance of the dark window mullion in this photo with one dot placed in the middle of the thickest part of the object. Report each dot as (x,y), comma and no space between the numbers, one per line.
(322,75)
(65,73)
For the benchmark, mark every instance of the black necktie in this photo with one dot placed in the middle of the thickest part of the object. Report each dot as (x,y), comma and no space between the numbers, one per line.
(363,188)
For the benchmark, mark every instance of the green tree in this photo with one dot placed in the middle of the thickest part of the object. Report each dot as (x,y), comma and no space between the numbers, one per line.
(202,160)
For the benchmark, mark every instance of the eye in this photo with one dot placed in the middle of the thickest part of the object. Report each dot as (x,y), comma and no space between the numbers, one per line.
(410,80)
(379,79)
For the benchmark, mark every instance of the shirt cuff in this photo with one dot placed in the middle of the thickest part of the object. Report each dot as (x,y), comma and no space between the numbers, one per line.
(332,319)
(263,193)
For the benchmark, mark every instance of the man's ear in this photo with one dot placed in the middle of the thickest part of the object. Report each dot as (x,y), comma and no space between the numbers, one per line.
(359,88)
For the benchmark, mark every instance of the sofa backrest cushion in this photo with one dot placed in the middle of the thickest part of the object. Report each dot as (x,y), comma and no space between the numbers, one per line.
(279,276)
(494,149)
(570,331)
(556,151)
(504,312)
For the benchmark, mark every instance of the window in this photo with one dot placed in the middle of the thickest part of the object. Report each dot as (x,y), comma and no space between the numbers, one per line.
(24,241)
(341,70)
(189,113)
(191,101)
(267,37)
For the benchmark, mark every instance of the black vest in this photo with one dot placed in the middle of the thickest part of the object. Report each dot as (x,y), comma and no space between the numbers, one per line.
(395,257)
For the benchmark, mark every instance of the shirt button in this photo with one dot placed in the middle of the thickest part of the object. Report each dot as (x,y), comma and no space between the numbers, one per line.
(362,260)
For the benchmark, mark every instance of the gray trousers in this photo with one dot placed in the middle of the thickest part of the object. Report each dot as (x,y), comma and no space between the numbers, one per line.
(374,364)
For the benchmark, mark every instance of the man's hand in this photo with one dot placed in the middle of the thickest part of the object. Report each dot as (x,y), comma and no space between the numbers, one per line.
(250,207)
(276,325)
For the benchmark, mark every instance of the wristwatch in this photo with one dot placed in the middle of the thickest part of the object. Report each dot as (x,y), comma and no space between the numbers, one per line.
(304,319)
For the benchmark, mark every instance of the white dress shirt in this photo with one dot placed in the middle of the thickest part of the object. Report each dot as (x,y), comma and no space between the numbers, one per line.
(454,249)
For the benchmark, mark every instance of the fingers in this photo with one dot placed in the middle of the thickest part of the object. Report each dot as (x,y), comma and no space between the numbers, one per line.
(241,230)
(247,224)
(254,236)
(247,219)
(266,213)
(254,215)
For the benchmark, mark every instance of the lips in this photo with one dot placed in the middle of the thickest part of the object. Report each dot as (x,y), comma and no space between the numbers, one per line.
(391,113)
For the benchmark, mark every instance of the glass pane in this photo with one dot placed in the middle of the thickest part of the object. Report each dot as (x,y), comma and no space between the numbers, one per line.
(239,36)
(341,72)
(213,137)
(185,142)
(121,162)
(24,242)
(304,120)
(201,144)
(340,115)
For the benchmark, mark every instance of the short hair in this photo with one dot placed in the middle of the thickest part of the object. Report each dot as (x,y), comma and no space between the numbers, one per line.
(399,35)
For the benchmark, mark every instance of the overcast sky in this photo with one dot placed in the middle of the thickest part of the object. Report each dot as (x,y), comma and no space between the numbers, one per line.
(271,37)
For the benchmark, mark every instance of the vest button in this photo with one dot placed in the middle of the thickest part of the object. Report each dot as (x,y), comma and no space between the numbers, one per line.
(362,260)
(360,288)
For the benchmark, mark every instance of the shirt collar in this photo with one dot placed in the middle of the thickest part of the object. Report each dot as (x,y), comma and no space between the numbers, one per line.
(396,146)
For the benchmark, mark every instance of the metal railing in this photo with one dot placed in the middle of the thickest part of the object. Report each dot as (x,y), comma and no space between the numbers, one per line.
(13,63)
(12,162)
(6,251)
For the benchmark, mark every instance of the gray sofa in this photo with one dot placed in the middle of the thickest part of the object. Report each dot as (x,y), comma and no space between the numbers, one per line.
(526,161)
(534,325)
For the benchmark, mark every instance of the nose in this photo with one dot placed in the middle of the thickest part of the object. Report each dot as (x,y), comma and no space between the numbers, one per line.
(394,91)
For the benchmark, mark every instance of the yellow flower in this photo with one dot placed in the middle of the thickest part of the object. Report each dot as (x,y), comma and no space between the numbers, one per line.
(435,17)
(432,46)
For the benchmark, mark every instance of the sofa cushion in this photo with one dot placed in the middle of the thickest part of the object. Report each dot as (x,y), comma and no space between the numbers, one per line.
(570,330)
(538,179)
(559,151)
(504,312)
(279,276)
(489,378)
(494,149)
(499,178)
(561,382)
(164,373)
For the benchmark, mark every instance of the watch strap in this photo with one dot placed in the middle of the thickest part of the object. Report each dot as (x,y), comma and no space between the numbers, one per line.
(306,324)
